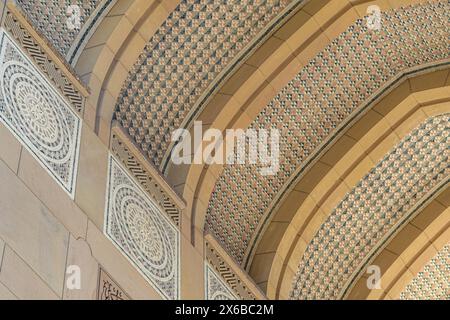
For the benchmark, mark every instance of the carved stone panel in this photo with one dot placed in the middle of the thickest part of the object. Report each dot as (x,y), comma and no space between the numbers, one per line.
(38,115)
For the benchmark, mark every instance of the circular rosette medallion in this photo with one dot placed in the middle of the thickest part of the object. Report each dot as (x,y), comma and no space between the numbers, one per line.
(36,112)
(144,232)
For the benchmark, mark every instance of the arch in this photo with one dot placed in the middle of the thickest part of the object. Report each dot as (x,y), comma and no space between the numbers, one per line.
(110,53)
(200,192)
(408,251)
(252,87)
(327,194)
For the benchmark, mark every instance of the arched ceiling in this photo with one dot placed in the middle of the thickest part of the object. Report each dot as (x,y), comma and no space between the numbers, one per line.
(378,203)
(50,19)
(313,107)
(186,50)
(433,281)
(192,47)
(406,254)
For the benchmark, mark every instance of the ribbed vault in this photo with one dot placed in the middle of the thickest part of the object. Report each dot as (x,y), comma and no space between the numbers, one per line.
(314,71)
(196,42)
(338,82)
(376,205)
(433,281)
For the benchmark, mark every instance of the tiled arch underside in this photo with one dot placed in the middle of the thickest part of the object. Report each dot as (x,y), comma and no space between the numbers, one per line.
(195,43)
(433,281)
(320,98)
(50,18)
(371,210)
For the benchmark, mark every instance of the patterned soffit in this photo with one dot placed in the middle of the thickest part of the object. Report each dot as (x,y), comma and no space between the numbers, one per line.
(196,42)
(49,17)
(338,82)
(433,281)
(373,209)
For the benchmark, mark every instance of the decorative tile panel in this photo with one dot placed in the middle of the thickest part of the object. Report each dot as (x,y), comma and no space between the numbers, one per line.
(433,281)
(216,289)
(191,48)
(332,88)
(108,289)
(372,210)
(49,17)
(226,272)
(120,148)
(142,232)
(37,115)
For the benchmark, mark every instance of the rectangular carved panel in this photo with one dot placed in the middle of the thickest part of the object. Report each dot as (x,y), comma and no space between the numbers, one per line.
(38,115)
(142,232)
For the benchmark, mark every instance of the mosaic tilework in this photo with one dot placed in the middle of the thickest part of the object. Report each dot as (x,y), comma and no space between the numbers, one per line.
(41,59)
(141,231)
(216,289)
(433,281)
(50,17)
(189,50)
(120,147)
(373,208)
(38,116)
(226,272)
(310,108)
(89,27)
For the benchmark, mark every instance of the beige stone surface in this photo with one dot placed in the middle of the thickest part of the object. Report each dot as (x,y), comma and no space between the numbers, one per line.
(29,228)
(5,294)
(48,191)
(192,278)
(80,255)
(21,280)
(2,248)
(92,176)
(10,148)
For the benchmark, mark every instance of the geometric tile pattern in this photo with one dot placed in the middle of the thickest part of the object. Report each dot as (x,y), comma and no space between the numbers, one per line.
(142,232)
(193,45)
(41,59)
(372,210)
(309,110)
(121,149)
(50,19)
(226,272)
(216,289)
(87,30)
(433,281)
(37,115)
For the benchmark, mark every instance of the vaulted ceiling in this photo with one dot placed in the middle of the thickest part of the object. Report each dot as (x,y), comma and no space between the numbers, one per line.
(363,116)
